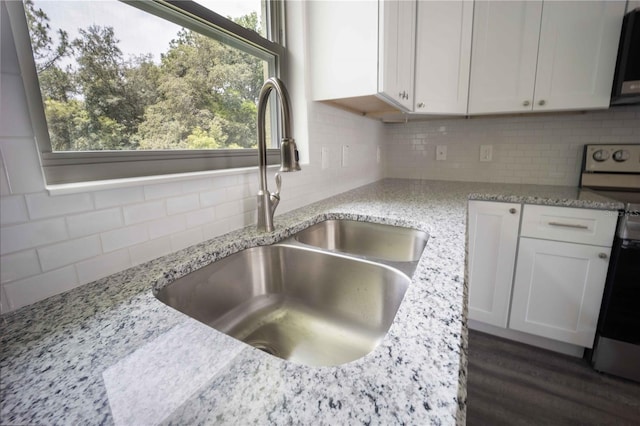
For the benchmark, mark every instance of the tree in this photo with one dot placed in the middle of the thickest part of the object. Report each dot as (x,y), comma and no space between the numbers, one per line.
(100,75)
(45,52)
(208,85)
(202,94)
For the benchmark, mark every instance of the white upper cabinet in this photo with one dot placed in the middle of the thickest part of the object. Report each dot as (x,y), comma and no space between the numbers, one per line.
(543,56)
(397,51)
(463,56)
(577,56)
(503,59)
(361,53)
(443,54)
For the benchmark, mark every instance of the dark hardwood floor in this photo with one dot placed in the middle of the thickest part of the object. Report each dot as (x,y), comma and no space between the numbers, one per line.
(510,383)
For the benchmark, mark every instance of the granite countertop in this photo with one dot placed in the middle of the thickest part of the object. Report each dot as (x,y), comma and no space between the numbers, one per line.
(110,353)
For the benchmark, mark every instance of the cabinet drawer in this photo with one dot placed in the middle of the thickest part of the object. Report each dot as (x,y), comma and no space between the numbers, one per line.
(584,226)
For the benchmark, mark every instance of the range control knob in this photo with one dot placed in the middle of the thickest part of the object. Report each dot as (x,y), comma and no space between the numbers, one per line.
(621,155)
(600,155)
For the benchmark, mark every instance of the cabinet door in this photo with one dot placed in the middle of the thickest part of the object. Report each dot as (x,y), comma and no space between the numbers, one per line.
(397,51)
(504,55)
(493,238)
(443,55)
(577,55)
(558,289)
(342,50)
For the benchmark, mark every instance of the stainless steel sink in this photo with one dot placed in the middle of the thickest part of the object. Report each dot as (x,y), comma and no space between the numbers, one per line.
(384,242)
(300,304)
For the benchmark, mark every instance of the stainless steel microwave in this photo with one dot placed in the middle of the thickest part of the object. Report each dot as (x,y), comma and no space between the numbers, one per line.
(626,82)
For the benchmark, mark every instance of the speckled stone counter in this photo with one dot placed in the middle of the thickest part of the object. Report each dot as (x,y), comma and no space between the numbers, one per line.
(111,353)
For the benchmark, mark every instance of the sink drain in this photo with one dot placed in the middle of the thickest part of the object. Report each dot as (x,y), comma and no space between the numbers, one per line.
(264,348)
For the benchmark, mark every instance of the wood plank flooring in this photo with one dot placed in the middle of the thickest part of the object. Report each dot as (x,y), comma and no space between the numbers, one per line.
(510,383)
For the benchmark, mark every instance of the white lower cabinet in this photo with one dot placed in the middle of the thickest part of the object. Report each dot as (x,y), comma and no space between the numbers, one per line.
(493,238)
(560,256)
(558,289)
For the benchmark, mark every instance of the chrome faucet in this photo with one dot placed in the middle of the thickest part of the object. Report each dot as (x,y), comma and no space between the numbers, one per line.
(268,201)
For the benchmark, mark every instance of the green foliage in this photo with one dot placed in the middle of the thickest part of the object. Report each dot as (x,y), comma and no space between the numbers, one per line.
(45,51)
(200,139)
(202,94)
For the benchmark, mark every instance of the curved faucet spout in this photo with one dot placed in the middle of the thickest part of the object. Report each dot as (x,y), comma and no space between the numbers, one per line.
(267,202)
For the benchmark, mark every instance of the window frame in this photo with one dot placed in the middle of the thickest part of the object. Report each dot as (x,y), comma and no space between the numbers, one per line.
(60,167)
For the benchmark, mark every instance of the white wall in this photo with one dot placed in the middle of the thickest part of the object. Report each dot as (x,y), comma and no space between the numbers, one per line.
(51,244)
(536,149)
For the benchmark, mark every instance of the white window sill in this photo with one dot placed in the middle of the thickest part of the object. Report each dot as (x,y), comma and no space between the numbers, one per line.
(99,185)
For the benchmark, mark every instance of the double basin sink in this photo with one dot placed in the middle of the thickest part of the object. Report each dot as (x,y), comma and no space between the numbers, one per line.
(325,296)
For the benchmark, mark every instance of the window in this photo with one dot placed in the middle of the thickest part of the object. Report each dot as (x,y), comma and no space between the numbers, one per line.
(138,88)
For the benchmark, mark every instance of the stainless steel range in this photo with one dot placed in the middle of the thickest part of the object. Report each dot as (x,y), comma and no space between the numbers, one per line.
(614,171)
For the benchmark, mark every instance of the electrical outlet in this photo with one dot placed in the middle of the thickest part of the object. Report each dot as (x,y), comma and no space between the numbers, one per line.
(324,155)
(486,152)
(441,152)
(345,155)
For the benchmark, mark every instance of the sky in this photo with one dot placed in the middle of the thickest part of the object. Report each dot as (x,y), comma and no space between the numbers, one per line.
(138,31)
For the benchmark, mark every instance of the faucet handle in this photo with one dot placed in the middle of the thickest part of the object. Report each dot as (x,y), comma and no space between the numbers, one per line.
(278,184)
(274,197)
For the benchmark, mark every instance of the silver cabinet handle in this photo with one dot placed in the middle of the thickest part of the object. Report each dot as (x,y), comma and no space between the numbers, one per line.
(513,211)
(525,103)
(602,255)
(569,225)
(542,102)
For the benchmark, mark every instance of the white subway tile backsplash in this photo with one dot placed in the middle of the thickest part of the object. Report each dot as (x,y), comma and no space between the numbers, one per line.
(138,213)
(162,190)
(166,226)
(150,250)
(197,185)
(13,209)
(43,205)
(232,208)
(30,290)
(103,265)
(118,197)
(545,149)
(186,238)
(183,204)
(225,181)
(124,237)
(200,217)
(19,265)
(69,252)
(94,222)
(32,234)
(211,198)
(239,192)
